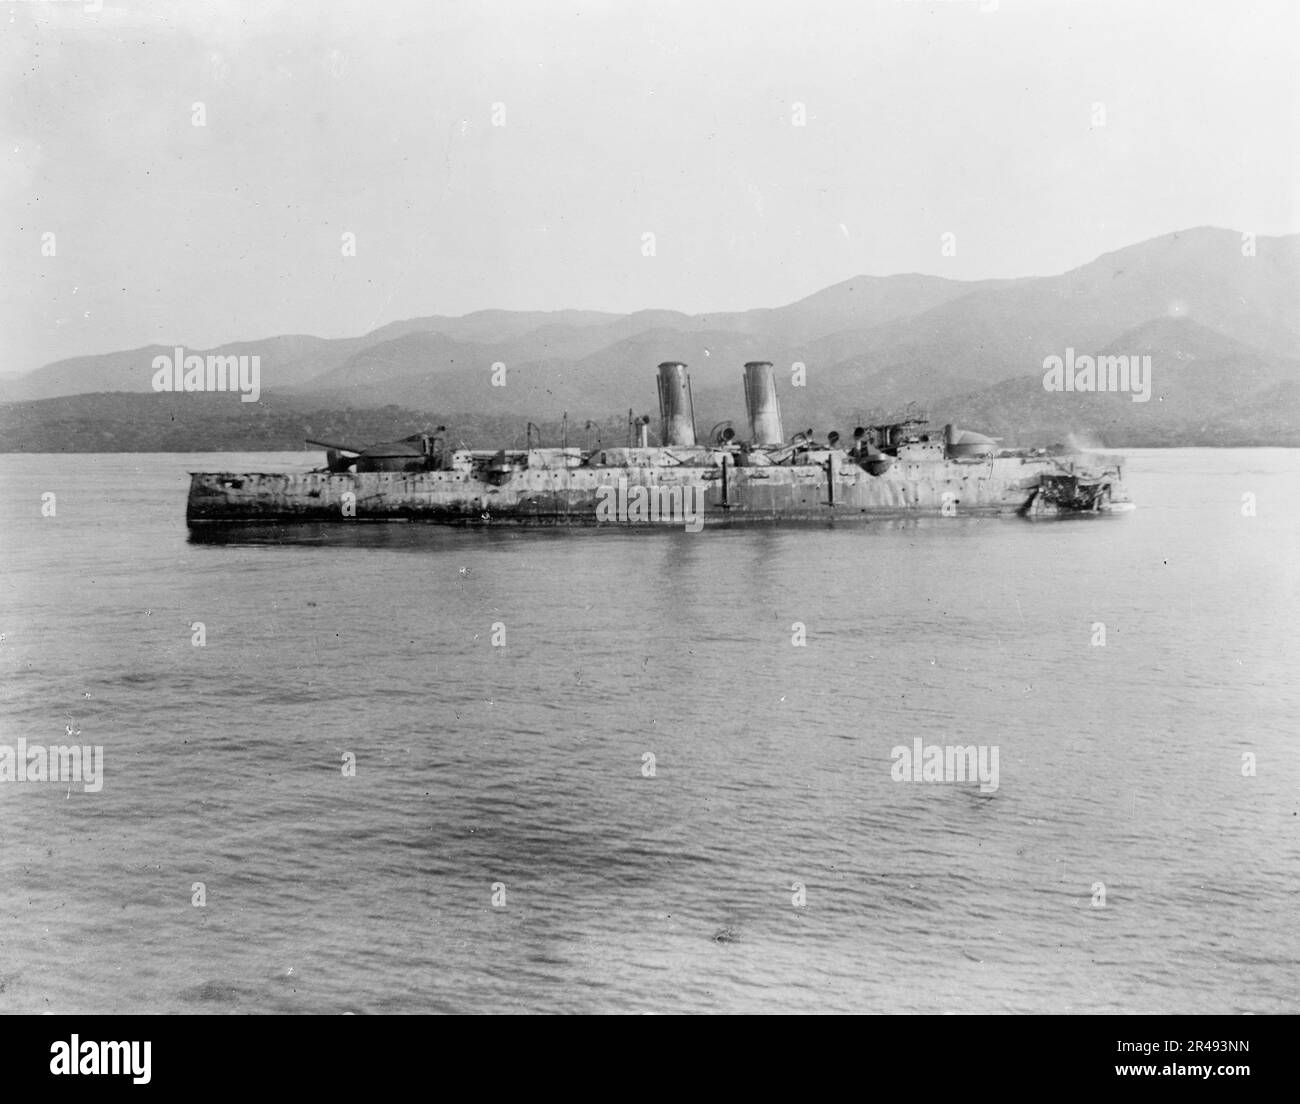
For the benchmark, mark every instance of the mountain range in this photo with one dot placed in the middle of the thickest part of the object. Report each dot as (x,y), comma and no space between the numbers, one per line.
(1219,320)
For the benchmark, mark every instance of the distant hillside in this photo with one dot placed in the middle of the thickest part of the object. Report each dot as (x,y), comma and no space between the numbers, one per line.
(220,423)
(1222,328)
(519,338)
(289,359)
(997,333)
(1205,390)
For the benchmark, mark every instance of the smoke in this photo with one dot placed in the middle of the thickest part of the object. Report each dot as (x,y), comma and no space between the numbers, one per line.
(1084,442)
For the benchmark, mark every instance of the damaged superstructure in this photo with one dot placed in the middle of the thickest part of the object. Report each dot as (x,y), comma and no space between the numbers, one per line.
(893,469)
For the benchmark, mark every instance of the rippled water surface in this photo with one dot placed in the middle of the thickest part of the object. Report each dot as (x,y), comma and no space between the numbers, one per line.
(521,767)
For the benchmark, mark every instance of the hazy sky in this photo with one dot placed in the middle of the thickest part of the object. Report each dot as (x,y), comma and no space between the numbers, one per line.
(376,119)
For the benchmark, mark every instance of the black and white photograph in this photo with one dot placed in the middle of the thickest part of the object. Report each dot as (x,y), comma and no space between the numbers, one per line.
(675,508)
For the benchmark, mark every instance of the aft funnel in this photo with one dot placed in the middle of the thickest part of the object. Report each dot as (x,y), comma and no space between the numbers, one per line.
(760,402)
(675,404)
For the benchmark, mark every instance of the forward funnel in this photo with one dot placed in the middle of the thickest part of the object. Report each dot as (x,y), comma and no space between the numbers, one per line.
(675,404)
(760,402)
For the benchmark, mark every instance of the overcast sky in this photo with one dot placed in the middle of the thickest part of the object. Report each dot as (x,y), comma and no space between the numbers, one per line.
(376,119)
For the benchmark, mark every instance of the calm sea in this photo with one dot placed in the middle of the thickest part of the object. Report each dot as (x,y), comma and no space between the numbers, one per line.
(517,774)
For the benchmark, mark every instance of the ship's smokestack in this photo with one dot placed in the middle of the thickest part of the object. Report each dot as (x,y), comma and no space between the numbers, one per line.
(675,404)
(760,402)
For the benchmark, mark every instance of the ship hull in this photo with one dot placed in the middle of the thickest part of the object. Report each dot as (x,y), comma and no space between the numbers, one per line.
(682,497)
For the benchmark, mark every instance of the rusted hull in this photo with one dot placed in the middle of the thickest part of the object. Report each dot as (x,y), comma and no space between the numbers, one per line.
(679,497)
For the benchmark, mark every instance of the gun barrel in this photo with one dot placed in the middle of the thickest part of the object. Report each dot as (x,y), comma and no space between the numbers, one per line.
(335,448)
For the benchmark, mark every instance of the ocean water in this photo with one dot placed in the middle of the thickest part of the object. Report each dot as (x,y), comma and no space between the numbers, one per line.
(501,846)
